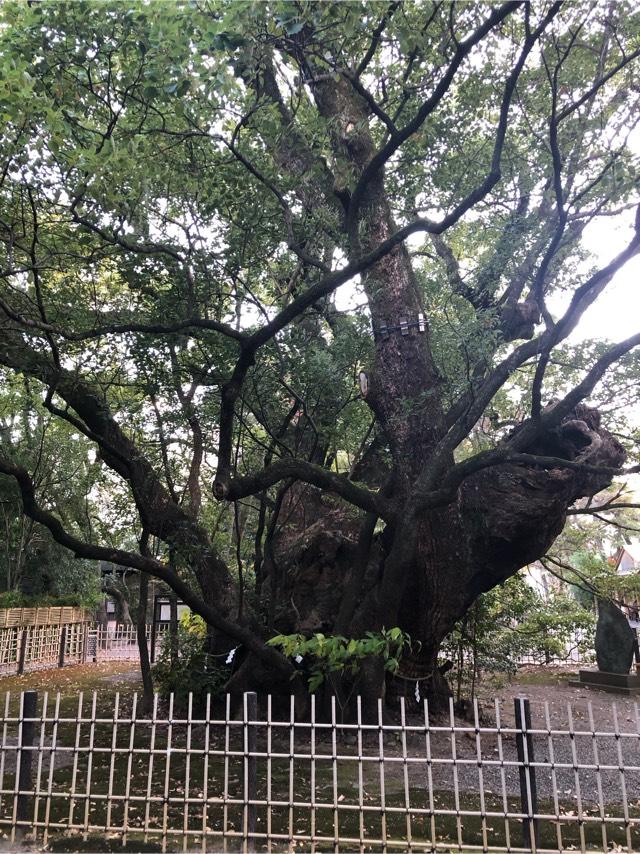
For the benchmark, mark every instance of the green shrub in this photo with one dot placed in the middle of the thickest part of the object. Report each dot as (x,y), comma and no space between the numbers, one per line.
(194,672)
(16,599)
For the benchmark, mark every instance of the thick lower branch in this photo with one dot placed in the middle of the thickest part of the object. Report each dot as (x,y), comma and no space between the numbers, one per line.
(159,513)
(143,564)
(301,470)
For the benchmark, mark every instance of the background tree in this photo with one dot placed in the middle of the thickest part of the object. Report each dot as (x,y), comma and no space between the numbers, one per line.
(182,196)
(34,568)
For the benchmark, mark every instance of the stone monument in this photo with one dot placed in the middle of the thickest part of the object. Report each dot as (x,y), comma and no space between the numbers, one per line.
(615,639)
(615,647)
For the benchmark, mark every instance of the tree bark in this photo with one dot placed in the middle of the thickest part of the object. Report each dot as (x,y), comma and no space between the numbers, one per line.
(405,397)
(143,649)
(123,615)
(504,518)
(424,570)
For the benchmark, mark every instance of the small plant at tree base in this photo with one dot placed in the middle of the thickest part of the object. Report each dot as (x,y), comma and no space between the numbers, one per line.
(193,671)
(334,654)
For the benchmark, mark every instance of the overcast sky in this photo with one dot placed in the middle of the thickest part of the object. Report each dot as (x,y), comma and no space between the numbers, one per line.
(616,314)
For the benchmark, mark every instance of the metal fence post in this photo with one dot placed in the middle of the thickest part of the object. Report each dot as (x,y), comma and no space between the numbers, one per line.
(528,788)
(63,643)
(29,702)
(250,771)
(22,652)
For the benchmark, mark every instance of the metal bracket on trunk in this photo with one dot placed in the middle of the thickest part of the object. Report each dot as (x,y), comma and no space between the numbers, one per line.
(404,327)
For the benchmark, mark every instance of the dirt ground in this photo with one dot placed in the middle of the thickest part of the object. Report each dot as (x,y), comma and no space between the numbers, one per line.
(117,675)
(577,726)
(540,684)
(557,710)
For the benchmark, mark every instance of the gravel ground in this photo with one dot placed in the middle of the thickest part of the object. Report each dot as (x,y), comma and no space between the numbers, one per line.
(614,761)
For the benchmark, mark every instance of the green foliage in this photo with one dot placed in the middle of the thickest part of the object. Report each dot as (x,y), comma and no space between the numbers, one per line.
(16,599)
(584,555)
(515,620)
(193,671)
(31,562)
(12,599)
(334,654)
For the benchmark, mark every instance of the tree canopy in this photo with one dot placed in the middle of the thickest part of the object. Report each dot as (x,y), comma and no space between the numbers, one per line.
(296,283)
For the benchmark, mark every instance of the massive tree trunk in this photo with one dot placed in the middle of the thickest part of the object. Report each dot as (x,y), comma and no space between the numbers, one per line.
(143,649)
(504,518)
(423,572)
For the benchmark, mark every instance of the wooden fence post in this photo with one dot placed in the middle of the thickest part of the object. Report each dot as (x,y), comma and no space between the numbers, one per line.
(63,643)
(22,652)
(250,771)
(528,788)
(28,703)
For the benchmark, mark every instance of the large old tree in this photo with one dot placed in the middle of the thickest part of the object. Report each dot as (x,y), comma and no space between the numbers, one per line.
(301,278)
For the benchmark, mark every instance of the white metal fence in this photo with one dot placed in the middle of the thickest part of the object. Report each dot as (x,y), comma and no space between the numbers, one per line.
(573,656)
(121,643)
(216,778)
(38,647)
(577,649)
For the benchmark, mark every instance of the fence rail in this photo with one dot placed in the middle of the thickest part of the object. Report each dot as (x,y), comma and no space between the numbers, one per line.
(215,778)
